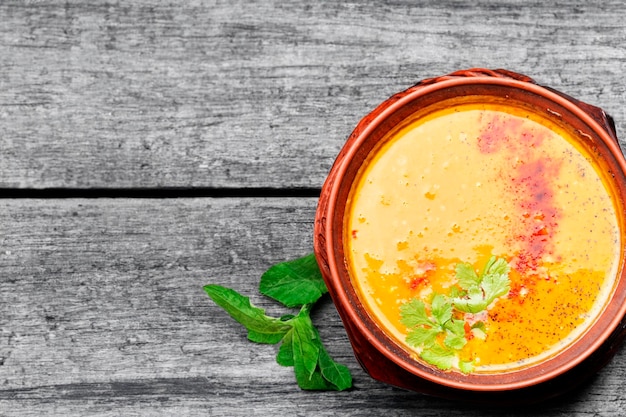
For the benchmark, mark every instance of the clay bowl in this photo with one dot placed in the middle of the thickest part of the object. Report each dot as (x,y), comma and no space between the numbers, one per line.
(379,353)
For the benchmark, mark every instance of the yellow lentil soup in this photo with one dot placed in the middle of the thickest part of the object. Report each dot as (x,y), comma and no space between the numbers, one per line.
(470,181)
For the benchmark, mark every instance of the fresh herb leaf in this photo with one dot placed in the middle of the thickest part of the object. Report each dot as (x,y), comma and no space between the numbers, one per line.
(495,266)
(466,366)
(454,341)
(335,373)
(314,368)
(479,330)
(284,357)
(441,309)
(456,327)
(413,313)
(264,338)
(439,356)
(301,346)
(422,336)
(455,334)
(493,283)
(439,335)
(324,373)
(479,325)
(305,351)
(294,283)
(261,328)
(466,275)
(473,302)
(315,382)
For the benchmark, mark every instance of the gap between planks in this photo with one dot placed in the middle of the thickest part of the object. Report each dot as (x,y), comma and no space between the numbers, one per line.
(157,193)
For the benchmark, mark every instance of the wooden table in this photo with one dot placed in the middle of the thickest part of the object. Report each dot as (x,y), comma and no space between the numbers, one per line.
(151,147)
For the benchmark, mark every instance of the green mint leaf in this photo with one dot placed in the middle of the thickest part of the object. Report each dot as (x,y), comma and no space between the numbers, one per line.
(314,382)
(441,309)
(284,357)
(309,355)
(422,336)
(413,313)
(264,338)
(314,369)
(294,283)
(261,328)
(467,276)
(439,356)
(305,350)
(338,375)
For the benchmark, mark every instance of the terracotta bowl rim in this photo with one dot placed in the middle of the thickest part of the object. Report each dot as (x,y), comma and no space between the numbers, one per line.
(339,295)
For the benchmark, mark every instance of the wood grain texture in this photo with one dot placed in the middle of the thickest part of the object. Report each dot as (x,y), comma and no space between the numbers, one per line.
(258,94)
(102,313)
(101,304)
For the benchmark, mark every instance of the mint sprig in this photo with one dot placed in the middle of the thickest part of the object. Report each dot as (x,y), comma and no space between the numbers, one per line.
(293,283)
(261,328)
(440,331)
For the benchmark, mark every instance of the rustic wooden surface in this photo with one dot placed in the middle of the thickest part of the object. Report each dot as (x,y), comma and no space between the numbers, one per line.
(229,115)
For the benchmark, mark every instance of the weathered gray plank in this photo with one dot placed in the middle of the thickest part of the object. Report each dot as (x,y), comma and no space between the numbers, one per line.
(102,313)
(258,94)
(107,288)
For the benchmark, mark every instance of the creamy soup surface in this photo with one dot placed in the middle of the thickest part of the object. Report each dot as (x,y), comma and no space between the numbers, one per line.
(480,180)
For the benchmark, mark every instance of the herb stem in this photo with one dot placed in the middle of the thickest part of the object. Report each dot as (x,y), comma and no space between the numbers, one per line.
(306,309)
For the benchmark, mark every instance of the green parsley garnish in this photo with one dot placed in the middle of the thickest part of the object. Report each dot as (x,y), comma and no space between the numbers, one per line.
(481,290)
(440,330)
(294,283)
